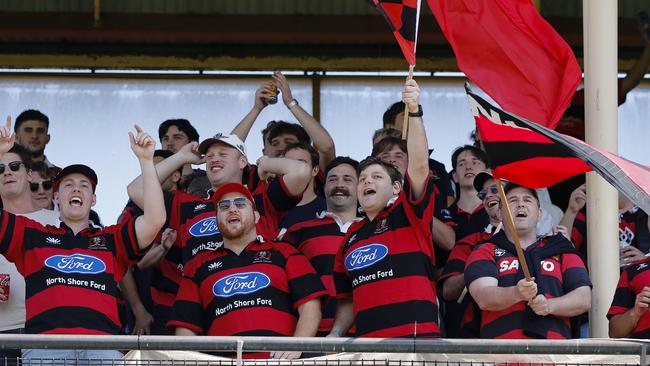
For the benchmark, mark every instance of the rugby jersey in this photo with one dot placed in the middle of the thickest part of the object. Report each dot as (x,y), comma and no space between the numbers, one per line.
(71,280)
(632,281)
(255,293)
(558,275)
(468,222)
(195,221)
(387,266)
(319,240)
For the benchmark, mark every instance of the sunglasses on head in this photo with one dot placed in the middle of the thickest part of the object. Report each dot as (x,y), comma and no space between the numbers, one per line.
(484,192)
(47,184)
(240,202)
(13,166)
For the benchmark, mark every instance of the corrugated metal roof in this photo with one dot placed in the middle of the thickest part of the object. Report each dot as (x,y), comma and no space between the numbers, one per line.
(242,7)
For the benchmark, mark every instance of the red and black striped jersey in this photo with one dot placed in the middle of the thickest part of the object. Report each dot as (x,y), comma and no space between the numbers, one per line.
(255,293)
(559,275)
(632,281)
(461,251)
(319,240)
(195,221)
(71,280)
(387,267)
(468,223)
(166,275)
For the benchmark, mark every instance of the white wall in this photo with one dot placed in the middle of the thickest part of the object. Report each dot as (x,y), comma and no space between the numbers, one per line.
(90,117)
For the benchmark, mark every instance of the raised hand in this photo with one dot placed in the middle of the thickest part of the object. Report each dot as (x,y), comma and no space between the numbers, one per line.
(262,95)
(190,153)
(168,238)
(411,95)
(7,137)
(578,199)
(284,87)
(142,144)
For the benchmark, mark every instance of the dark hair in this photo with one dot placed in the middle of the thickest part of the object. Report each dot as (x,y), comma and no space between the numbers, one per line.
(387,143)
(162,153)
(313,154)
(386,132)
(276,128)
(24,155)
(478,153)
(42,169)
(30,115)
(340,160)
(395,175)
(180,123)
(392,112)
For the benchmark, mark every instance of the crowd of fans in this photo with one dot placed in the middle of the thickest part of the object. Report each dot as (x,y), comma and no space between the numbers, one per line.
(301,243)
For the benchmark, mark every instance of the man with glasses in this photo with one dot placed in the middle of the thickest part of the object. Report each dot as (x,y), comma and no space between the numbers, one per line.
(15,179)
(41,186)
(247,285)
(72,270)
(458,318)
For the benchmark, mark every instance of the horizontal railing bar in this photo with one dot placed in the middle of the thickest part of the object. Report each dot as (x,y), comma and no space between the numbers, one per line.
(256,344)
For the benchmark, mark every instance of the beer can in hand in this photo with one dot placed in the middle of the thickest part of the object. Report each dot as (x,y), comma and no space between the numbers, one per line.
(273,96)
(4,283)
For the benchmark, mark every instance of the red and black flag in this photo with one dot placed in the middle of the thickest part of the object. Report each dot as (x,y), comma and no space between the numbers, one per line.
(403,17)
(535,156)
(508,50)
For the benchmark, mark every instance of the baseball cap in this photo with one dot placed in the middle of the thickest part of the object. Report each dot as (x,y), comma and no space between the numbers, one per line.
(231,140)
(510,186)
(76,168)
(480,178)
(230,188)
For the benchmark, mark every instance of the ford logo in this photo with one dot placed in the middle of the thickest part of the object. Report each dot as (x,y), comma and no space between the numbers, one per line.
(240,284)
(76,263)
(365,256)
(205,227)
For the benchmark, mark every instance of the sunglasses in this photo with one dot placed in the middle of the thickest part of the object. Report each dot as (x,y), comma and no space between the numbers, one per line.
(46,184)
(484,192)
(13,166)
(240,202)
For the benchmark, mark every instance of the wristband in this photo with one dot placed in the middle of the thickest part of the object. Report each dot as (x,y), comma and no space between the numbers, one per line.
(336,332)
(418,113)
(292,103)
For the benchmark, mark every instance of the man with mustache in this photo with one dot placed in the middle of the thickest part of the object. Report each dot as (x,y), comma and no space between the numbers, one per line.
(319,239)
(247,286)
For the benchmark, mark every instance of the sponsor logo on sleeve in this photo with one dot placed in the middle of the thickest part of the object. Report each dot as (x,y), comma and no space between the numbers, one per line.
(365,256)
(76,263)
(240,284)
(205,227)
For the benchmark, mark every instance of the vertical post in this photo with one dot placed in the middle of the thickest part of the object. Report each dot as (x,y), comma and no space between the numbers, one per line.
(96,14)
(601,125)
(315,95)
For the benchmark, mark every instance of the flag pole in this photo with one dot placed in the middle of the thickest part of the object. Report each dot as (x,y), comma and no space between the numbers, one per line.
(405,125)
(505,208)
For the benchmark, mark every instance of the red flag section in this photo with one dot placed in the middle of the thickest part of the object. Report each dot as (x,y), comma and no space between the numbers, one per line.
(535,156)
(508,50)
(402,16)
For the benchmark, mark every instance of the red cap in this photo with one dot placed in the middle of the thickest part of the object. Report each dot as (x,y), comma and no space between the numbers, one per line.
(233,187)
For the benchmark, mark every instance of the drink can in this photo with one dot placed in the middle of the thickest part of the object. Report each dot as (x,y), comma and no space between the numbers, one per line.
(4,283)
(273,96)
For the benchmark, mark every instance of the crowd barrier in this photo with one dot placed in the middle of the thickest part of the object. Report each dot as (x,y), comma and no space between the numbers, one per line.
(173,351)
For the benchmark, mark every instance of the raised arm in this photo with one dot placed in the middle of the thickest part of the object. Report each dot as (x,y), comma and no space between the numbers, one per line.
(295,173)
(148,224)
(418,165)
(188,154)
(244,126)
(323,142)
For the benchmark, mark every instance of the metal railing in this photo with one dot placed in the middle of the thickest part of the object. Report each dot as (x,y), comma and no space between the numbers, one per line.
(331,345)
